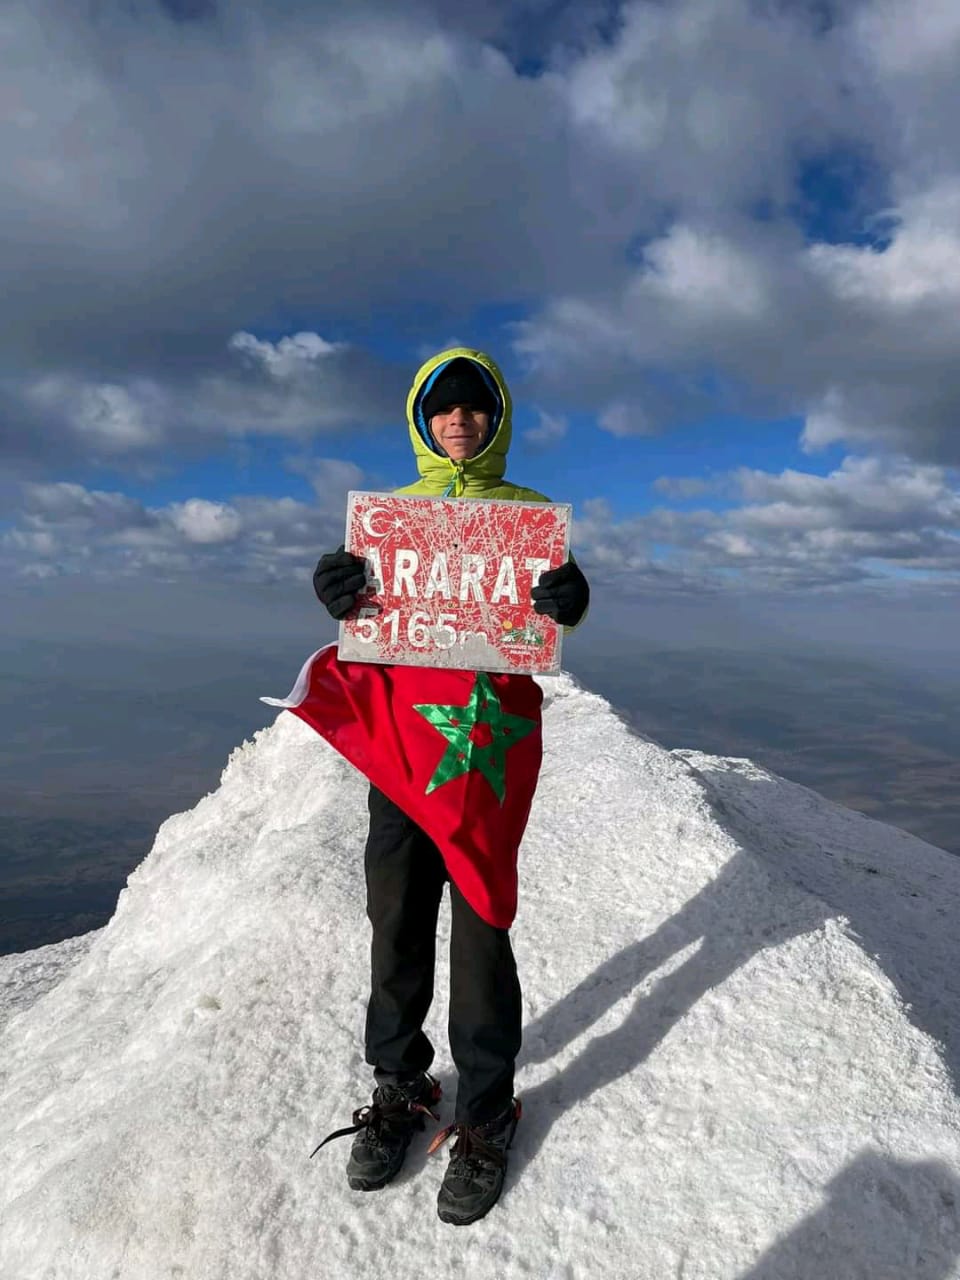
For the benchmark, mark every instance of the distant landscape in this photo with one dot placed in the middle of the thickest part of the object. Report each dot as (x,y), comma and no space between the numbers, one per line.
(866,735)
(87,775)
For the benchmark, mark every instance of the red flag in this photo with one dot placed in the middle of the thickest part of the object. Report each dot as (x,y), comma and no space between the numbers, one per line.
(458,751)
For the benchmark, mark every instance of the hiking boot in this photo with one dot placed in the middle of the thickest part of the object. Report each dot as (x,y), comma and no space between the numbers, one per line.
(384,1130)
(478,1162)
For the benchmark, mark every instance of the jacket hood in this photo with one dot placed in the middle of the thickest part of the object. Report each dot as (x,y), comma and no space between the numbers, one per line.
(436,469)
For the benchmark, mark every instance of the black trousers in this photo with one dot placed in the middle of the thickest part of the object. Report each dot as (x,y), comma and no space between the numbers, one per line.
(405,878)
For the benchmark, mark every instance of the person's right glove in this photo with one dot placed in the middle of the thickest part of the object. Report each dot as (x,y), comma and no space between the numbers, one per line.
(338,579)
(562,594)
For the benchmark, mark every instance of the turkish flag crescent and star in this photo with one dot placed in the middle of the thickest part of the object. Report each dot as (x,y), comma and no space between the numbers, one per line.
(458,751)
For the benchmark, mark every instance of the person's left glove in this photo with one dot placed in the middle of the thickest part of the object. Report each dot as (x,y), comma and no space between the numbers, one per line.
(562,594)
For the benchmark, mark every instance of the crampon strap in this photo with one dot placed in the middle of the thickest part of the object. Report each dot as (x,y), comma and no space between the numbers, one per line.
(469,1143)
(372,1117)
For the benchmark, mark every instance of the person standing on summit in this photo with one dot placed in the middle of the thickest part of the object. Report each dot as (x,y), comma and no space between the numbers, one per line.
(459,417)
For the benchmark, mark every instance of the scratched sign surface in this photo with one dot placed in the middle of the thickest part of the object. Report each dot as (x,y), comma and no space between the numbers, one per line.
(449,581)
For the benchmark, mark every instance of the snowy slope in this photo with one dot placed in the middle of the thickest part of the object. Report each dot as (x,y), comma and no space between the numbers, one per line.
(721,1077)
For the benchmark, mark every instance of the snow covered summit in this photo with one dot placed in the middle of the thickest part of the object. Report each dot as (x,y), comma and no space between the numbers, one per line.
(740,1060)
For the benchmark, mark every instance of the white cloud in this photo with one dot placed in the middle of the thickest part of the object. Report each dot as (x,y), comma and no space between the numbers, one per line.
(867,520)
(734,545)
(880,492)
(705,98)
(704,273)
(71,507)
(40,542)
(330,478)
(905,37)
(862,343)
(105,535)
(296,387)
(623,419)
(550,430)
(698,300)
(104,416)
(206,522)
(290,358)
(920,269)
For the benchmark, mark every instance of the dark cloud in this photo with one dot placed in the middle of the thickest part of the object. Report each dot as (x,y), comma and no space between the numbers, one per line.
(298,387)
(167,184)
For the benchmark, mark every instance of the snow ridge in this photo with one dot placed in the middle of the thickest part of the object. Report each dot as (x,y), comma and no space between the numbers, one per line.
(721,1078)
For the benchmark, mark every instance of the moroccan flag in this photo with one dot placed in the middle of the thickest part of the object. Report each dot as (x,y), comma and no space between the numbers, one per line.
(458,751)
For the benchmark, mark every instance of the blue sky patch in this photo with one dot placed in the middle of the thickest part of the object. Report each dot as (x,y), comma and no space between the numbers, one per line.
(841,197)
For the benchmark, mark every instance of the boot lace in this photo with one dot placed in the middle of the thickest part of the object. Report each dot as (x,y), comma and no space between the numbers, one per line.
(385,1107)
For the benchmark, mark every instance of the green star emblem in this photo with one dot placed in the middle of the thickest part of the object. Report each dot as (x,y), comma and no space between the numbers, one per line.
(478,736)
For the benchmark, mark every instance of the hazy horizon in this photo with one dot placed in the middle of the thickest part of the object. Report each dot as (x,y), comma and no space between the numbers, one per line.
(107,738)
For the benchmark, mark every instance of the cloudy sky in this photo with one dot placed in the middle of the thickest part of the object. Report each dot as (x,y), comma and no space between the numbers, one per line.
(715,245)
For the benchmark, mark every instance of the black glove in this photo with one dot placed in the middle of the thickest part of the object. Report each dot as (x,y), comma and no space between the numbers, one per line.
(338,579)
(562,594)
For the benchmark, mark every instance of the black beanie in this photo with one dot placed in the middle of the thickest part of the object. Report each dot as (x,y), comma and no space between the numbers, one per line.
(460,383)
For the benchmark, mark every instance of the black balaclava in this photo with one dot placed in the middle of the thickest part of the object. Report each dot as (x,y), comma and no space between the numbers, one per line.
(460,383)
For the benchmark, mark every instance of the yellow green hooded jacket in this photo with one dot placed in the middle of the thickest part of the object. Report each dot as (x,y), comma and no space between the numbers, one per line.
(481,476)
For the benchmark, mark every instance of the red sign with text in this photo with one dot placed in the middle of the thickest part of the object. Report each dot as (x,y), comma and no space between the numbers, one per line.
(449,582)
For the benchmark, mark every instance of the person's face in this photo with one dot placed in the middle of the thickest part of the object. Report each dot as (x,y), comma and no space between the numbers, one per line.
(460,431)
